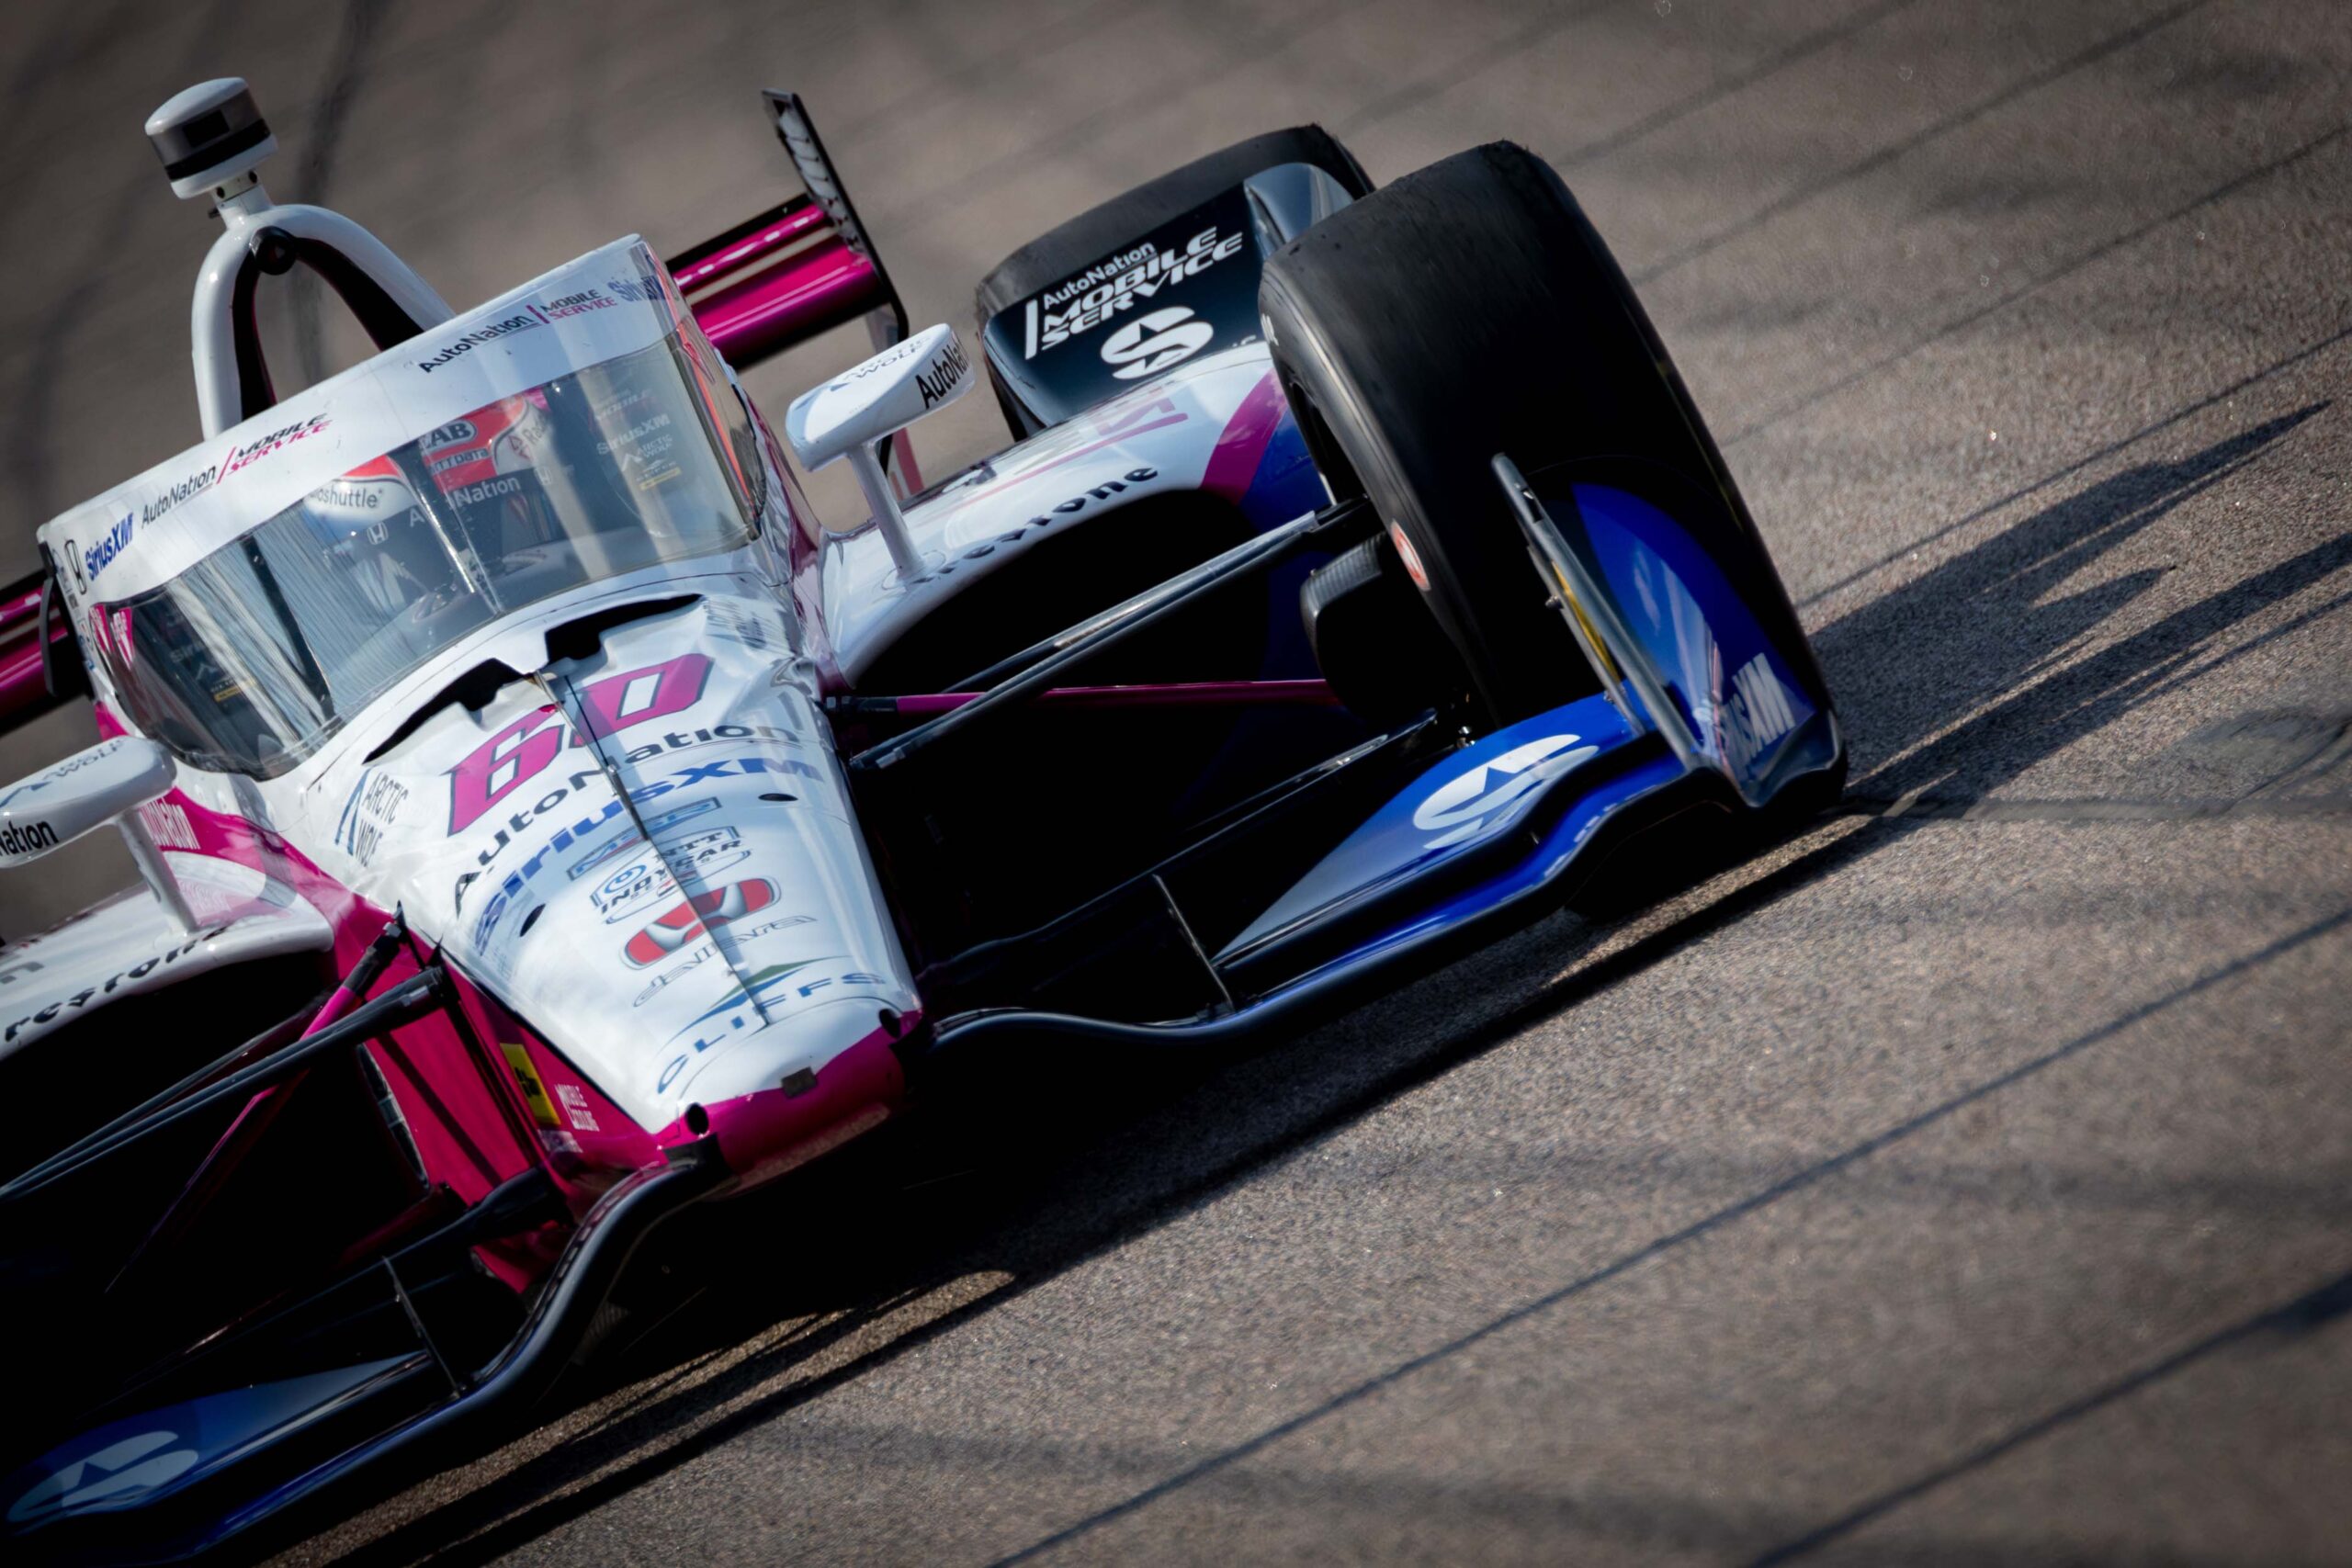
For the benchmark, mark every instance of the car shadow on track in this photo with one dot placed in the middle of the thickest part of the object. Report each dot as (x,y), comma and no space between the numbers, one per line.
(1982,635)
(893,1243)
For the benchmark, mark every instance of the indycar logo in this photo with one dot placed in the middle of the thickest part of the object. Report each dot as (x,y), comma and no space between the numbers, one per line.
(1042,329)
(564,837)
(704,912)
(648,878)
(1152,342)
(110,1475)
(1471,803)
(634,840)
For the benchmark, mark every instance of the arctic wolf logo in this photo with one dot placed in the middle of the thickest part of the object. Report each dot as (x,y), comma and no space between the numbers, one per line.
(1465,806)
(667,933)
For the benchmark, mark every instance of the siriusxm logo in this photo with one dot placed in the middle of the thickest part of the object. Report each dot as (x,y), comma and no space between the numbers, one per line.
(100,556)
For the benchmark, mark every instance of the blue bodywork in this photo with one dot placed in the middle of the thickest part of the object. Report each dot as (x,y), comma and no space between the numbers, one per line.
(1498,830)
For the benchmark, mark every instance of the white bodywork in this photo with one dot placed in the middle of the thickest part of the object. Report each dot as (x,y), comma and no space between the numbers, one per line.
(683,770)
(1159,438)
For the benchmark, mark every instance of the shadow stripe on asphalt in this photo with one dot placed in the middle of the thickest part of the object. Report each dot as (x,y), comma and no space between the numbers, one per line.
(2066,268)
(2092,808)
(1729,1214)
(2113,448)
(2306,1313)
(2025,85)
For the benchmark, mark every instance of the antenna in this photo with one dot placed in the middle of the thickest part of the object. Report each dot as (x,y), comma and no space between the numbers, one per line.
(212,136)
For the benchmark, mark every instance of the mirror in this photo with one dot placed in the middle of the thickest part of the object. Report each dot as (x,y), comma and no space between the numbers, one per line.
(88,790)
(884,395)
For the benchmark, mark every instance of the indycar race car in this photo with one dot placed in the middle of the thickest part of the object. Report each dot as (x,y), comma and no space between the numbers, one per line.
(544,822)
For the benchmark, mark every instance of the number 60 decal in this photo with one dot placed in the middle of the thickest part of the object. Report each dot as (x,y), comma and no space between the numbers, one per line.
(521,752)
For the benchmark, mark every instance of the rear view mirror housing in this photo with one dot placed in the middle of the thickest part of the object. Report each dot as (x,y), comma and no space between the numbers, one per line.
(880,398)
(850,414)
(108,782)
(85,792)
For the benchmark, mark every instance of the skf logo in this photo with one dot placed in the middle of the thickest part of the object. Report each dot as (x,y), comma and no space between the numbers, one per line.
(135,1464)
(682,924)
(1464,806)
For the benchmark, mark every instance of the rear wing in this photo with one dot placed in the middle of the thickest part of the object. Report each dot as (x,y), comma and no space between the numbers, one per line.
(41,663)
(800,268)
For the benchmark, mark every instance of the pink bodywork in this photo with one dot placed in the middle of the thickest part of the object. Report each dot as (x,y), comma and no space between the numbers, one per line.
(464,1104)
(791,278)
(24,683)
(477,1098)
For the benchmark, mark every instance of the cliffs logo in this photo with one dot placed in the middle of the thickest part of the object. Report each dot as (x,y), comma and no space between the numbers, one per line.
(667,933)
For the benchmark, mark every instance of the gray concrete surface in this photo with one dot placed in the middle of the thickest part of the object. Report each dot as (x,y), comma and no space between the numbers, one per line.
(1965,1180)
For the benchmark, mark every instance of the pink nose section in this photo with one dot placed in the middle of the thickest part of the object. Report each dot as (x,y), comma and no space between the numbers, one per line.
(770,1130)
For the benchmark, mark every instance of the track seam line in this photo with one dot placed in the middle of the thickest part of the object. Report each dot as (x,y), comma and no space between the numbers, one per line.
(1755,1202)
(1919,804)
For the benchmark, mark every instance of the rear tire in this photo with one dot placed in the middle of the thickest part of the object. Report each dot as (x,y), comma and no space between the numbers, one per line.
(1470,309)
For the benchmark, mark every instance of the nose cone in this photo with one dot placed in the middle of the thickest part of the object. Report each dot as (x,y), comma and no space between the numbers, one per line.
(657,871)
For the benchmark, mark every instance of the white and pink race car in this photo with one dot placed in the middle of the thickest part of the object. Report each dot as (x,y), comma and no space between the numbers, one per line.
(545,822)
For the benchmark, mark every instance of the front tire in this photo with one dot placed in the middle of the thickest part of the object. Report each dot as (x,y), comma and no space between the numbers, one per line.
(1470,309)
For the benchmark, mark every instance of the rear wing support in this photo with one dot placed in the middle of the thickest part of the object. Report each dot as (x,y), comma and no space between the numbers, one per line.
(41,663)
(802,268)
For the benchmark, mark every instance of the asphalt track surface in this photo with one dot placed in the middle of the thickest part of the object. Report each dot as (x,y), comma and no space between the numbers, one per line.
(1966,1179)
